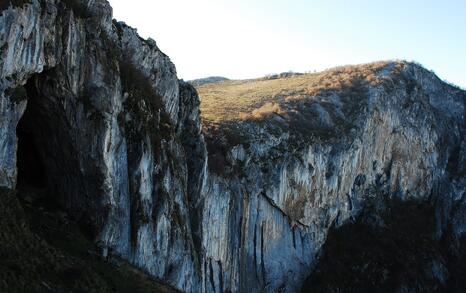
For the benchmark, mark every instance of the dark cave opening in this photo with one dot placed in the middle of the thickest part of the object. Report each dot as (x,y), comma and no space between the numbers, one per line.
(48,173)
(29,160)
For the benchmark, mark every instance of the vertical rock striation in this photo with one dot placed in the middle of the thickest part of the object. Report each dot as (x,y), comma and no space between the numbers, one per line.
(120,139)
(118,133)
(281,188)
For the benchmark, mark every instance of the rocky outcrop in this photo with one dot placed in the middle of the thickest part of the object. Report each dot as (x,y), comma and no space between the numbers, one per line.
(396,133)
(113,128)
(119,145)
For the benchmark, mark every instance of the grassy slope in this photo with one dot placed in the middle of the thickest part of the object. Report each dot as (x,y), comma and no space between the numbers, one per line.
(224,101)
(41,250)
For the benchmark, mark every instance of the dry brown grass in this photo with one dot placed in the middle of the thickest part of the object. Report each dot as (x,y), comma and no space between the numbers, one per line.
(265,111)
(259,99)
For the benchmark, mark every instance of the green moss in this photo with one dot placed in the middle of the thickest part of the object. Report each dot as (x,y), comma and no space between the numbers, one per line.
(139,86)
(145,105)
(85,98)
(17,94)
(454,166)
(113,51)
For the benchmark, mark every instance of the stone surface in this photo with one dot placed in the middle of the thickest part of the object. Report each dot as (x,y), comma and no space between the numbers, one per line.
(283,187)
(120,139)
(107,117)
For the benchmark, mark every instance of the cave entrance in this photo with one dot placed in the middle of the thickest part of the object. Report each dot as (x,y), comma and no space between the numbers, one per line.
(32,173)
(31,170)
(50,172)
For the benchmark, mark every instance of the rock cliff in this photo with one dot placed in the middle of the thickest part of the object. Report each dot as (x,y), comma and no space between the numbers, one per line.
(111,125)
(96,116)
(308,153)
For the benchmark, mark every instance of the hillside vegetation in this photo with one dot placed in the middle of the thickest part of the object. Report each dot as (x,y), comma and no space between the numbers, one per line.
(207,80)
(43,250)
(315,107)
(261,98)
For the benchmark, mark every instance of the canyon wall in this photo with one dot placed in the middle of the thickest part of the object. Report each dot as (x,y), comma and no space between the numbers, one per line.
(120,141)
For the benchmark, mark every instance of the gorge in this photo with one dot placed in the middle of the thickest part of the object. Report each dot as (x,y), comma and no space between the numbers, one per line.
(237,190)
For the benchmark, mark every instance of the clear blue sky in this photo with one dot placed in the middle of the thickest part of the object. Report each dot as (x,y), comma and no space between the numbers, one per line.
(243,39)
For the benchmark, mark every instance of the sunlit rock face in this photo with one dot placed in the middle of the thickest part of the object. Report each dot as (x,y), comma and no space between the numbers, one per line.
(120,144)
(280,187)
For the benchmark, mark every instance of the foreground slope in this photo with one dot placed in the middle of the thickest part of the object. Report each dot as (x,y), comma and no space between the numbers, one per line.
(44,251)
(96,118)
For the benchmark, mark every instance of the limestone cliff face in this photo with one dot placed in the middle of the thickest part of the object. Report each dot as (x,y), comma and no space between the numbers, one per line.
(119,138)
(283,187)
(113,126)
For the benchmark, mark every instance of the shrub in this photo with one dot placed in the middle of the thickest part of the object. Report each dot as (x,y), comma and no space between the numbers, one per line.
(138,85)
(264,112)
(17,94)
(146,105)
(79,8)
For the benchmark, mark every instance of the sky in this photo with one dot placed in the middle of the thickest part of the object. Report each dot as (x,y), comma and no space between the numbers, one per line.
(245,39)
